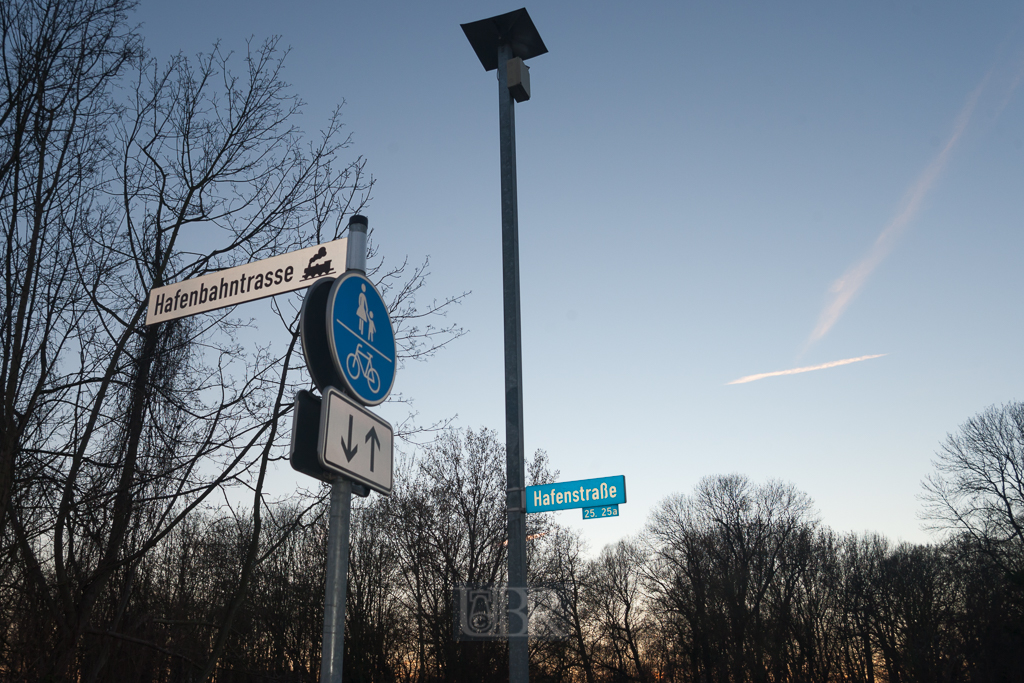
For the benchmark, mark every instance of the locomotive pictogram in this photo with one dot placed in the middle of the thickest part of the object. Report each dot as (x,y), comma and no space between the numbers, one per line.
(319,269)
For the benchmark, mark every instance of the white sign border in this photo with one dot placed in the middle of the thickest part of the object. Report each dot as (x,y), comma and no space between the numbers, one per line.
(339,469)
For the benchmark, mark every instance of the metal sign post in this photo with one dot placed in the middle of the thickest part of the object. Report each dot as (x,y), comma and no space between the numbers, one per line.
(332,655)
(374,464)
(502,43)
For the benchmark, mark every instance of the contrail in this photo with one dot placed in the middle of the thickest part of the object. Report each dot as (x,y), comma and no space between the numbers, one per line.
(845,288)
(809,368)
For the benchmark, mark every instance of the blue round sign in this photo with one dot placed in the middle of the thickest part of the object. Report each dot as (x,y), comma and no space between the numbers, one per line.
(361,338)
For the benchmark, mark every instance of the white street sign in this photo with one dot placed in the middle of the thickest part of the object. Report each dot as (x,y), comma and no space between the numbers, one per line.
(355,442)
(274,275)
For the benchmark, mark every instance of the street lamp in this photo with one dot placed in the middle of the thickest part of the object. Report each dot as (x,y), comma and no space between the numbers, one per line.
(503,43)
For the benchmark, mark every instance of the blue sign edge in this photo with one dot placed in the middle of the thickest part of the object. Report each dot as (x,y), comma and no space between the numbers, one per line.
(334,347)
(572,484)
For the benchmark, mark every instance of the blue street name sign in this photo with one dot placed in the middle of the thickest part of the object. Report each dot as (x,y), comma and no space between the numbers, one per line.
(584,493)
(599,512)
(362,341)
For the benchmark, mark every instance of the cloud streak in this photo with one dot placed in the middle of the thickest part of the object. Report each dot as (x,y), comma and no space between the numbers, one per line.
(843,290)
(809,368)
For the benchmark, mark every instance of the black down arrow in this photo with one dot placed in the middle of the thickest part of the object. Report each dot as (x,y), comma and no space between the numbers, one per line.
(351,453)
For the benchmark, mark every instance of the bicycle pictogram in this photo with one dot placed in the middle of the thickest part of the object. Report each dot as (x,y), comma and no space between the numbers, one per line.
(359,364)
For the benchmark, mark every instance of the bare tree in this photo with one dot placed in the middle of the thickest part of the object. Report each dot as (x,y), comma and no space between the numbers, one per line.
(60,60)
(564,565)
(449,522)
(816,606)
(623,621)
(375,623)
(978,486)
(452,531)
(722,572)
(114,432)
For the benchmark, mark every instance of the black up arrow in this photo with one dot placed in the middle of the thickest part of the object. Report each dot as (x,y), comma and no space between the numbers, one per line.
(371,436)
(351,453)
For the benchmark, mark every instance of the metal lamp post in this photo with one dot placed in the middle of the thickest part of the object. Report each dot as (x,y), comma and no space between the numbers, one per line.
(503,42)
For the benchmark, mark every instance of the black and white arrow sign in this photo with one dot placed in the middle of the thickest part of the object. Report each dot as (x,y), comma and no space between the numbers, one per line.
(355,442)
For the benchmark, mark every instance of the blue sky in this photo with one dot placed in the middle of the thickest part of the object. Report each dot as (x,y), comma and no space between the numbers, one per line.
(694,178)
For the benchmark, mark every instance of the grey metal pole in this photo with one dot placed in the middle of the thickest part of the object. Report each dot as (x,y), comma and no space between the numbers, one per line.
(333,654)
(336,591)
(515,456)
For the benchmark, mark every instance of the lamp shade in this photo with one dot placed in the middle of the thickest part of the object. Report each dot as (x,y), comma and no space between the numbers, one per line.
(515,28)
